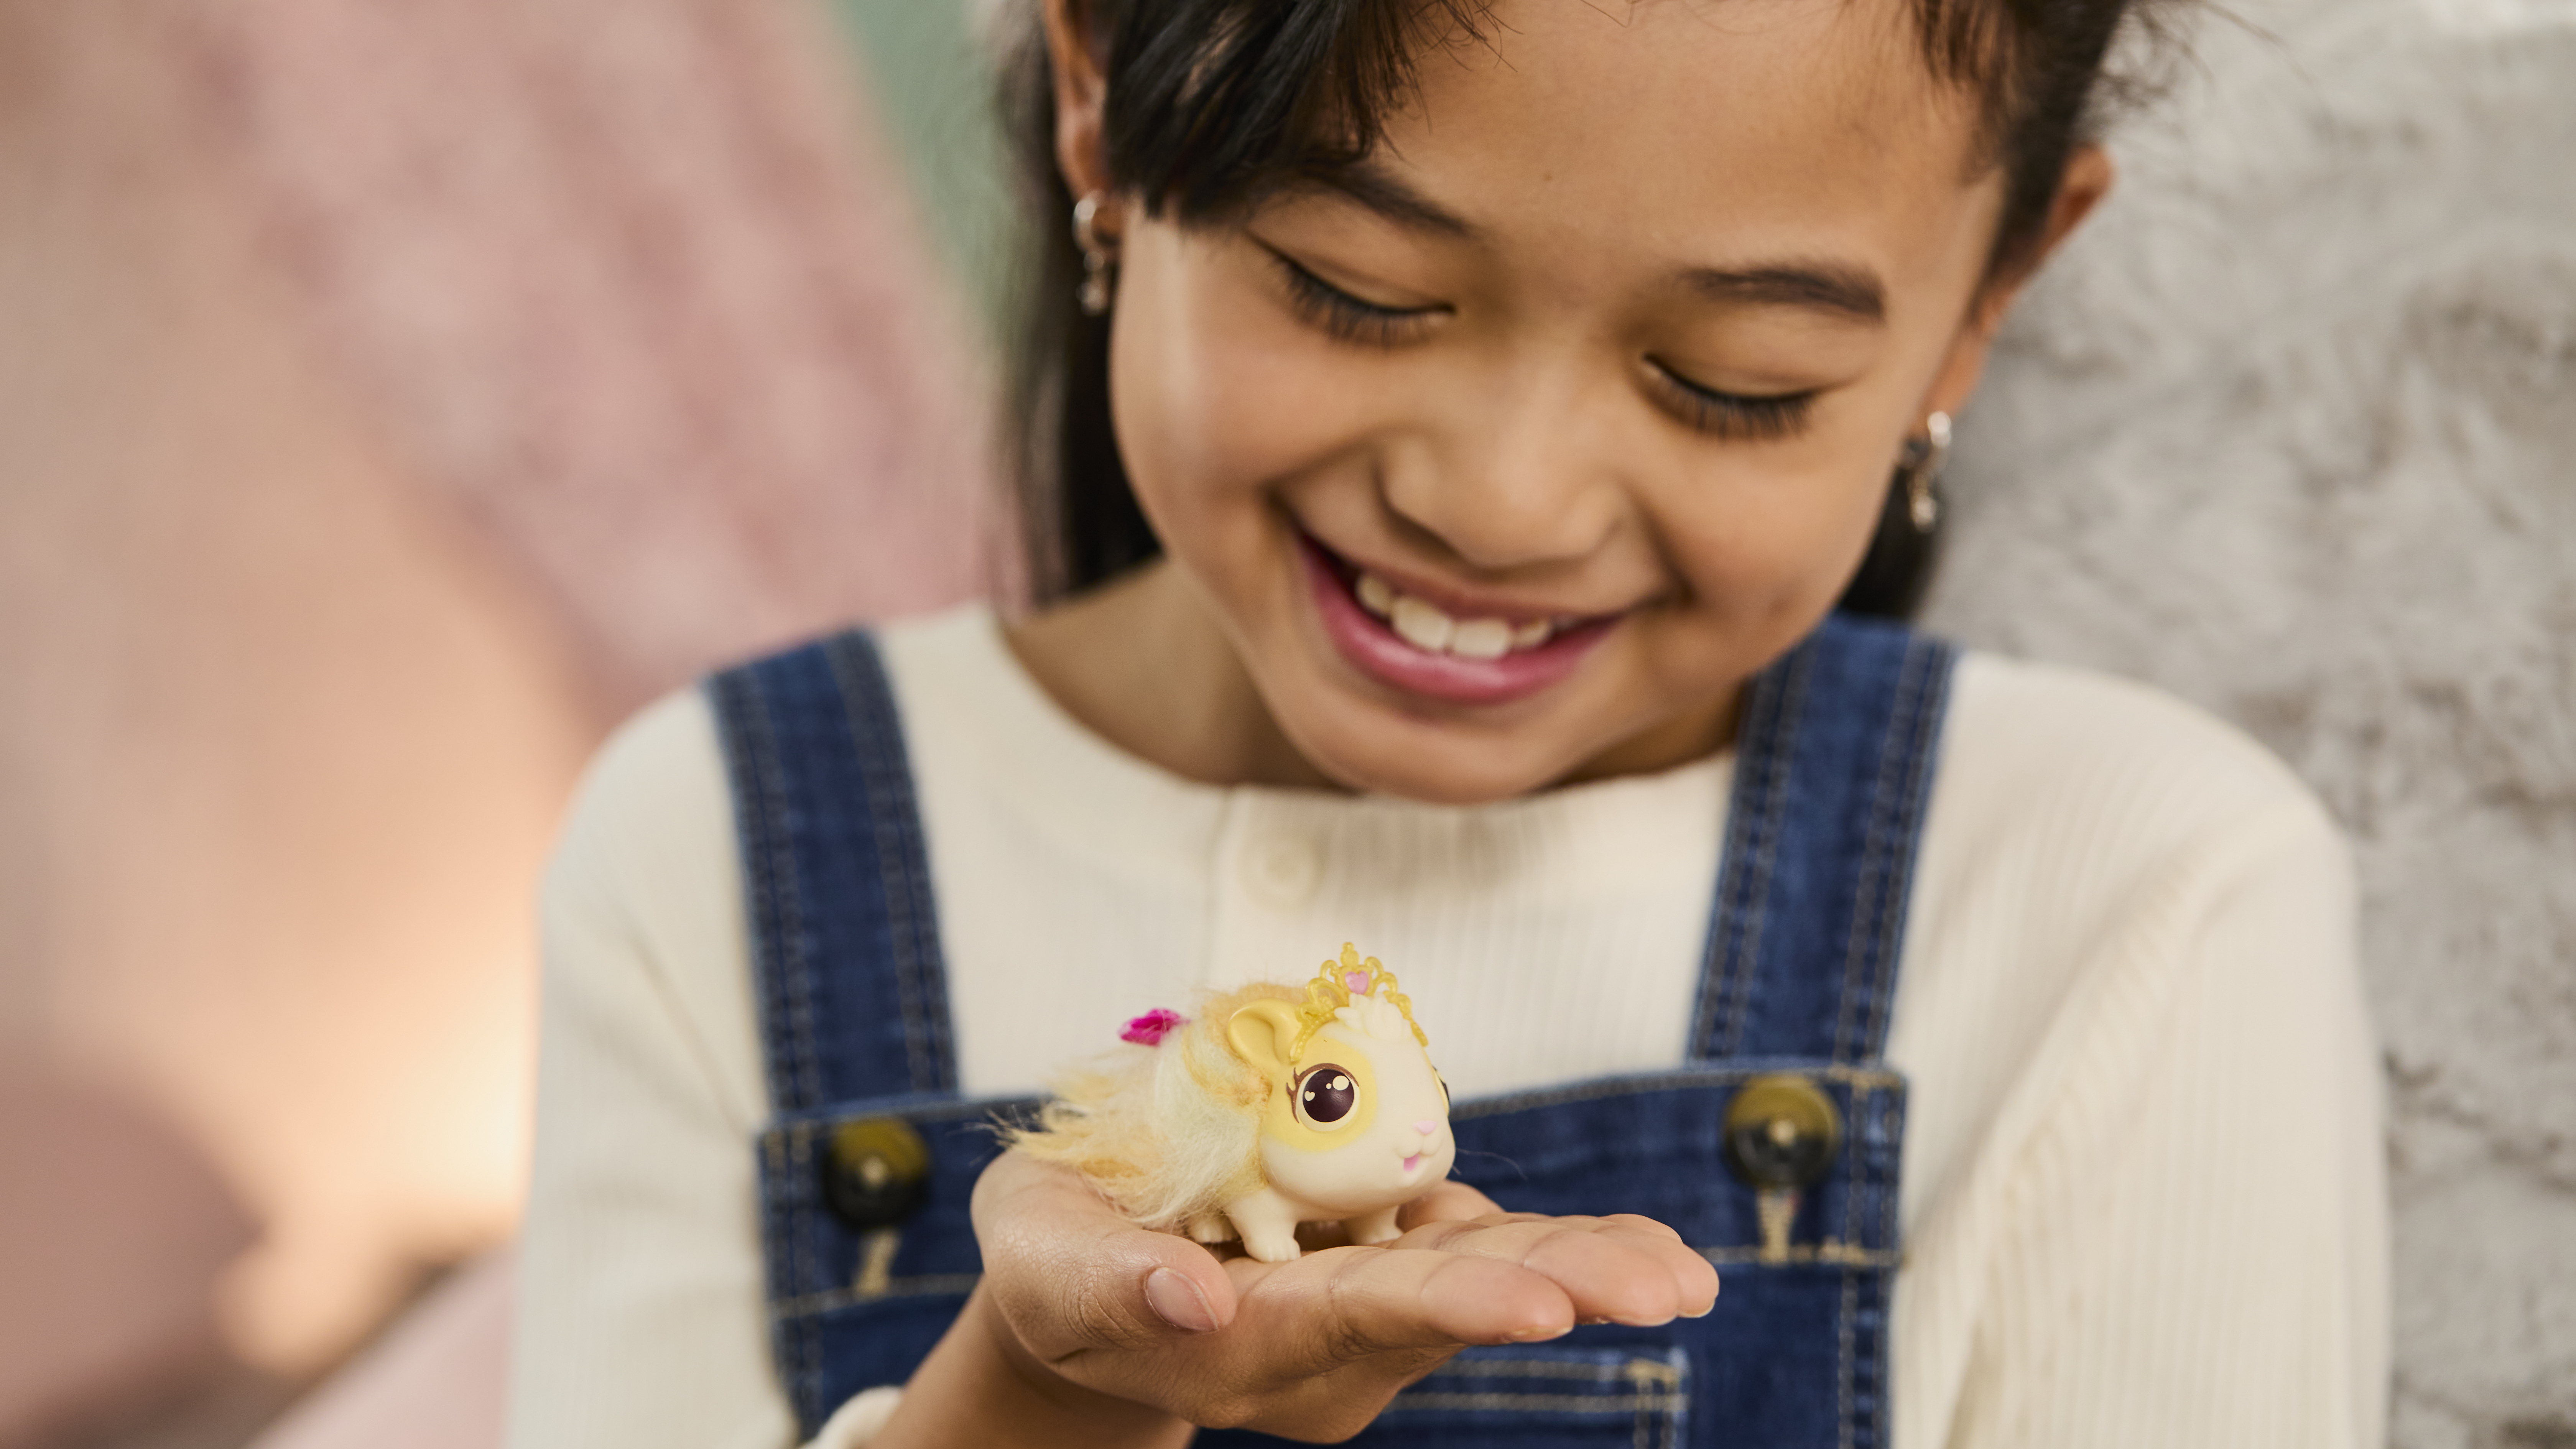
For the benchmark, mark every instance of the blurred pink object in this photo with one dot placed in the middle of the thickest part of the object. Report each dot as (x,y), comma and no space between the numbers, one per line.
(113,1233)
(396,394)
(632,279)
(439,1379)
(1152,1027)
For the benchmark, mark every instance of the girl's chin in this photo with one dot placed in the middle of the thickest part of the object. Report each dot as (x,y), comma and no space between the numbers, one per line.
(1362,743)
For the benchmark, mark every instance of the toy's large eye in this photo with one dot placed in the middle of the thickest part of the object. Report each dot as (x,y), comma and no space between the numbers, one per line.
(1325,1096)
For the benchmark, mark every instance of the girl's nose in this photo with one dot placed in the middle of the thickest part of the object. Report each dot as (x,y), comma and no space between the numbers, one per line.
(1427,1126)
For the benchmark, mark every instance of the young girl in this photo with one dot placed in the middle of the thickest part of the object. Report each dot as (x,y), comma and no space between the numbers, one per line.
(1455,425)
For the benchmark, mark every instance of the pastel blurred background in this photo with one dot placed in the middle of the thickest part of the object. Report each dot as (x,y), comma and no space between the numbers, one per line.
(394,396)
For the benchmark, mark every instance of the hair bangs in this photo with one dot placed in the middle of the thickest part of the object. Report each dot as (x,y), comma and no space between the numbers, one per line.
(1212,115)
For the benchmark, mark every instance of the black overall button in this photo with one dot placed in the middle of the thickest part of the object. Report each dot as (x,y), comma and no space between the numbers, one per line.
(876,1173)
(1781,1132)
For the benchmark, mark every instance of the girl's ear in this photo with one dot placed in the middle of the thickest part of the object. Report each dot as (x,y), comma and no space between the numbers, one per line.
(1263,1033)
(2080,188)
(1079,54)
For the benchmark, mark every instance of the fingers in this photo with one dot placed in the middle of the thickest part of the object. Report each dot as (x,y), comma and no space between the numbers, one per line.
(1068,1273)
(1623,1269)
(1405,1311)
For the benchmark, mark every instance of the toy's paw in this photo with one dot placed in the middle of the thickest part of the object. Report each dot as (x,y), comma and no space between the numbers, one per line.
(1211,1228)
(1271,1247)
(1370,1229)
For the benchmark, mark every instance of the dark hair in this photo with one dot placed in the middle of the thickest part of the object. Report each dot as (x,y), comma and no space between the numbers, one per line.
(1213,103)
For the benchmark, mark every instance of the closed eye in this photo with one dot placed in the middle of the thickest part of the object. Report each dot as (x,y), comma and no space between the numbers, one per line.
(1345,317)
(1731,415)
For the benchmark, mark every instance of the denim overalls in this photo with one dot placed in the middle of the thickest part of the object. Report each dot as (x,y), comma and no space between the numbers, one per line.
(1773,1149)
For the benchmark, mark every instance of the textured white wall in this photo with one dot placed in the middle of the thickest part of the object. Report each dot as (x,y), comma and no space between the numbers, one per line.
(2291,431)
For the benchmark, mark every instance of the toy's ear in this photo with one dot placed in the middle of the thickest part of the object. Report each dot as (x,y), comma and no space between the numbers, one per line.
(1263,1033)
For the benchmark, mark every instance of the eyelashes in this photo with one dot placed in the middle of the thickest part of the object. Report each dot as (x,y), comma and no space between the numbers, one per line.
(1345,317)
(1732,415)
(1737,417)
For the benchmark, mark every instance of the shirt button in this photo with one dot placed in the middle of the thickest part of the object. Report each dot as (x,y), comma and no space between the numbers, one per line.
(1282,873)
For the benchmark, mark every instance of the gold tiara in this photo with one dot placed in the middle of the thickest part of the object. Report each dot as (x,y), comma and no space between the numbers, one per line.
(1337,984)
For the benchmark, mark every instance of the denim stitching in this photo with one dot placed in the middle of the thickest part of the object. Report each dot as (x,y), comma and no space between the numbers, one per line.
(1677,1363)
(1894,1129)
(1926,706)
(921,919)
(795,972)
(778,915)
(1862,935)
(1734,863)
(1660,1081)
(922,915)
(751,830)
(1776,749)
(869,745)
(1418,1401)
(796,977)
(879,758)
(782,952)
(1752,907)
(1902,827)
(1845,1350)
(1831,1253)
(1741,861)
(1534,1368)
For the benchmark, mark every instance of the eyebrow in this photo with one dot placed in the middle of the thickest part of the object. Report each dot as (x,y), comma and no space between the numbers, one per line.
(1392,197)
(1837,287)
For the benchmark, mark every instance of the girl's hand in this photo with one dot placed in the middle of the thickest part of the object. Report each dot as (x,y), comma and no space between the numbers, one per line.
(1099,1317)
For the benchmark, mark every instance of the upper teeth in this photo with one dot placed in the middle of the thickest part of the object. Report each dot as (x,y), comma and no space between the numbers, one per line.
(1432,630)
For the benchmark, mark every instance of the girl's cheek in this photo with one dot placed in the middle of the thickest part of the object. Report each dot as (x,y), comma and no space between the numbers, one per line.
(1217,390)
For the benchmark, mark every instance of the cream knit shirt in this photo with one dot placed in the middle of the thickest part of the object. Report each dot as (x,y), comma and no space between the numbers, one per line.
(2142,1194)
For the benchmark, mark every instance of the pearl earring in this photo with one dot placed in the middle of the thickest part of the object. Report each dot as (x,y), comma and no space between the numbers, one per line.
(1921,467)
(1098,260)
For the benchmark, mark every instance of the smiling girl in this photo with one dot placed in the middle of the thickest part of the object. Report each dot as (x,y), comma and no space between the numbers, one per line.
(1450,428)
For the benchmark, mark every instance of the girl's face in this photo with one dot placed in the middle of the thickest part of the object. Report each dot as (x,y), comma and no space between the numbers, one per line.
(1507,458)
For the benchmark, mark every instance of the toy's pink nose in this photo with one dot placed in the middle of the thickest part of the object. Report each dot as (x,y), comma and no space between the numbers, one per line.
(1427,1126)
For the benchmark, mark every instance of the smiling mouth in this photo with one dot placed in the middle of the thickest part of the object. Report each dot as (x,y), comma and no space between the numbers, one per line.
(1422,648)
(1413,1162)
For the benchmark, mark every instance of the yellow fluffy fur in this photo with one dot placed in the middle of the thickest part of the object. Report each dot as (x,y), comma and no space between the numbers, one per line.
(1167,1133)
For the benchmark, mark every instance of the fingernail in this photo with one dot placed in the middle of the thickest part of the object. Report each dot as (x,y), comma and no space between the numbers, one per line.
(1537,1335)
(1177,1301)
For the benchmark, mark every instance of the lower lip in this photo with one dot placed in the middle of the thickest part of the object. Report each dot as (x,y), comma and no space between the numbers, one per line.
(1379,652)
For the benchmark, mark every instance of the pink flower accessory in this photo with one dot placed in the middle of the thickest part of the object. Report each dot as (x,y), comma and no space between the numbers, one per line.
(1153,1026)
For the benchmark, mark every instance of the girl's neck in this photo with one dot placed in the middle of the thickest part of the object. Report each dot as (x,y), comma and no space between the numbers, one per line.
(1141,663)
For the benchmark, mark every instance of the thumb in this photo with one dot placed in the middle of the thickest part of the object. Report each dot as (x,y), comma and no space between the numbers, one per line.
(1069,1273)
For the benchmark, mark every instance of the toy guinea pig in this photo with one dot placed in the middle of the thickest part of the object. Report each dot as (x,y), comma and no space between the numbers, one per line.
(1272,1108)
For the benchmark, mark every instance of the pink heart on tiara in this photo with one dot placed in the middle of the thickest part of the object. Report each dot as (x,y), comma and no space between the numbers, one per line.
(1357,981)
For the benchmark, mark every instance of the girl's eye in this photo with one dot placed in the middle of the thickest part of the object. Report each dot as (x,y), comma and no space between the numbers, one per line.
(1344,316)
(1730,415)
(1325,1096)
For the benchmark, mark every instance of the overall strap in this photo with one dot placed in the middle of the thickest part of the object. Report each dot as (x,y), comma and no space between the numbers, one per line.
(1834,758)
(845,941)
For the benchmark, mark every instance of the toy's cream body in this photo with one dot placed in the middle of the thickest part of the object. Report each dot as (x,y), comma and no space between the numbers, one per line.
(1274,1107)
